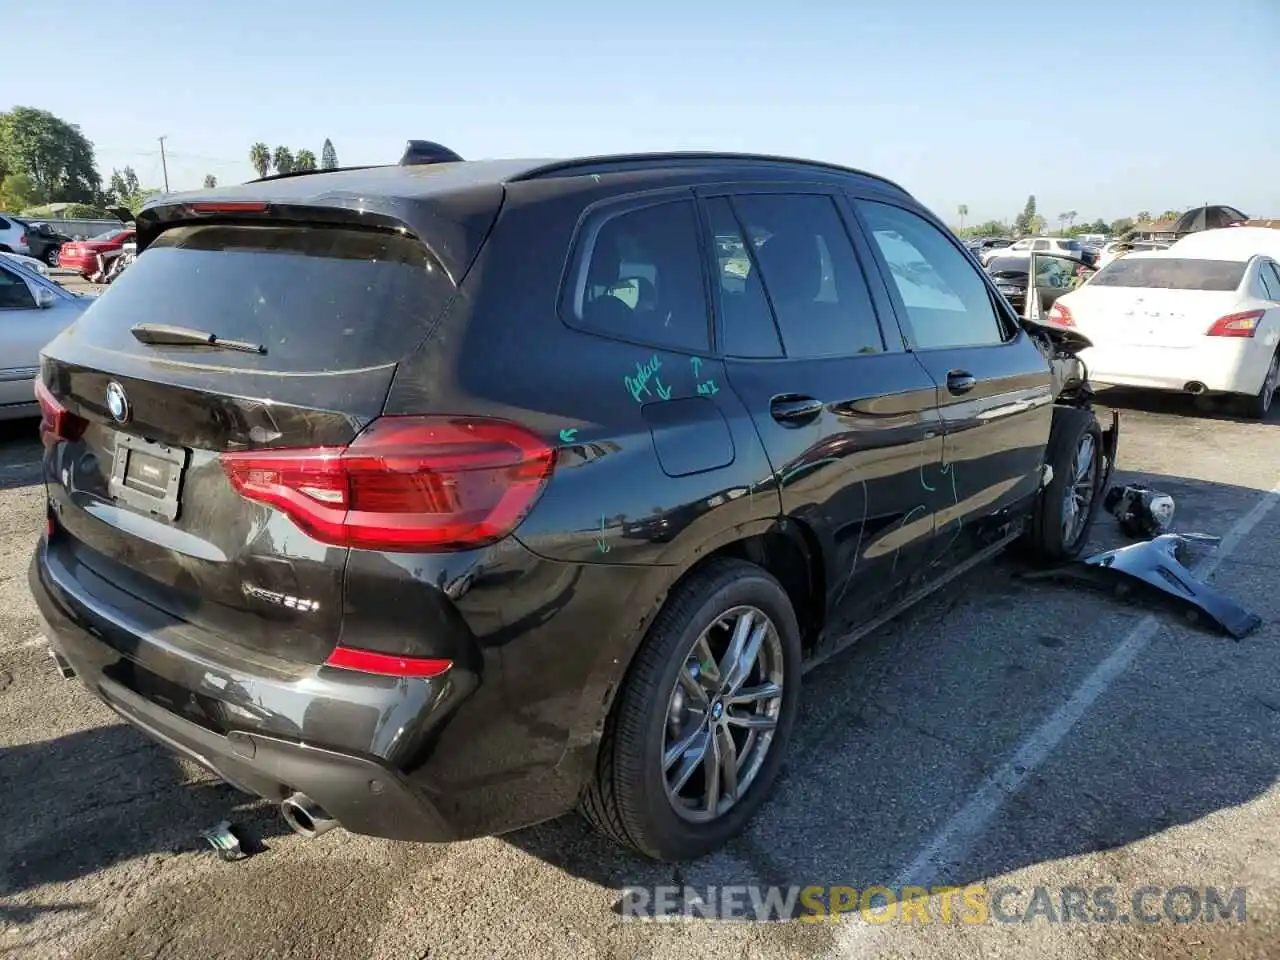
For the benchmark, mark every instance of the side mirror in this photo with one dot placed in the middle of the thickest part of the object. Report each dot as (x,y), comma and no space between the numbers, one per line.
(44,298)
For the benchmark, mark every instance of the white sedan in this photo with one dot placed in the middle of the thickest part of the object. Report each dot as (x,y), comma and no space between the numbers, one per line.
(1191,324)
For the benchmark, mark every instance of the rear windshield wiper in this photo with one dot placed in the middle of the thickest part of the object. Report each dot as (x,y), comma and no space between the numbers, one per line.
(162,334)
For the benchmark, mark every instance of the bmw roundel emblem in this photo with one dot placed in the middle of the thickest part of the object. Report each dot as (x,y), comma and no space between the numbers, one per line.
(117,402)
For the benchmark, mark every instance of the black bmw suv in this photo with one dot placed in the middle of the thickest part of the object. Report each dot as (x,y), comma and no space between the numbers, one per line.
(437,499)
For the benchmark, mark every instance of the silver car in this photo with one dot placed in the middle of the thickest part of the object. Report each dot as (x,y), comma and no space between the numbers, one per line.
(33,310)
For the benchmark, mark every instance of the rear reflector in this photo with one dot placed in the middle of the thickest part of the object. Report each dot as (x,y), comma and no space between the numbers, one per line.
(386,664)
(1060,316)
(1237,324)
(56,421)
(405,484)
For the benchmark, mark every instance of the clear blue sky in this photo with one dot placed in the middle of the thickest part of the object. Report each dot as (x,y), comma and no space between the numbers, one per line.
(1105,107)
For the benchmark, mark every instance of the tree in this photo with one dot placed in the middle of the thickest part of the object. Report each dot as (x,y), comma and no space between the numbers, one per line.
(305,160)
(127,192)
(328,156)
(1035,224)
(1144,216)
(210,181)
(1170,215)
(964,212)
(54,155)
(1022,224)
(260,158)
(17,192)
(282,158)
(1120,227)
(1062,222)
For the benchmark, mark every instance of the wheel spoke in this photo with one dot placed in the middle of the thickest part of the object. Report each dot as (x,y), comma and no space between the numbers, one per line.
(750,721)
(692,752)
(693,688)
(736,671)
(766,691)
(711,773)
(1084,458)
(727,751)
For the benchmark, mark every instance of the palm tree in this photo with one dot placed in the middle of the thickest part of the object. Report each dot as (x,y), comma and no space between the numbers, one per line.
(260,158)
(210,181)
(305,160)
(964,212)
(283,159)
(1071,218)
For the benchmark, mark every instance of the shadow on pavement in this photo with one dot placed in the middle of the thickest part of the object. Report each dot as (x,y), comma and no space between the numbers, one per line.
(1180,405)
(79,803)
(896,734)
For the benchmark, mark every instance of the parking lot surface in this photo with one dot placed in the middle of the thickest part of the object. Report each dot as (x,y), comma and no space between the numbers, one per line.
(1003,733)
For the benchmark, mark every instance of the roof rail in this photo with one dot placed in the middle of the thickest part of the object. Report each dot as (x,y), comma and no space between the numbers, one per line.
(417,152)
(705,156)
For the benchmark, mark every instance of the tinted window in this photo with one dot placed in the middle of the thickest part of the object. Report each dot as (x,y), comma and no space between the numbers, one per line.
(1040,245)
(643,278)
(1273,278)
(14,292)
(317,298)
(1168,273)
(745,318)
(1070,244)
(1009,265)
(4,224)
(946,300)
(811,275)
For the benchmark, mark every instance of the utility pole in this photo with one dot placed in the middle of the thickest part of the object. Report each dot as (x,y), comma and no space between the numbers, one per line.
(164,165)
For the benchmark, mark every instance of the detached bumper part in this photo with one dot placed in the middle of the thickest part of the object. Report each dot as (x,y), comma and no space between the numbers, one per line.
(1155,563)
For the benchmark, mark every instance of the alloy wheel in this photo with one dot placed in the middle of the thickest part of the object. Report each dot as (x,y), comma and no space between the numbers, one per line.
(722,714)
(1077,496)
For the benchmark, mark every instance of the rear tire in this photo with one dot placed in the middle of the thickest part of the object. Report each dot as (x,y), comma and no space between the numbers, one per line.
(630,798)
(1259,405)
(1064,511)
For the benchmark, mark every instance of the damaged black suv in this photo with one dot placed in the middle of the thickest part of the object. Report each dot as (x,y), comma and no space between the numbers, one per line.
(436,499)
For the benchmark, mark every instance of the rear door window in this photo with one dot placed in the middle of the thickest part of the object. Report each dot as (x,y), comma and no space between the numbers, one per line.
(640,278)
(318,298)
(746,322)
(946,300)
(1270,278)
(15,294)
(811,275)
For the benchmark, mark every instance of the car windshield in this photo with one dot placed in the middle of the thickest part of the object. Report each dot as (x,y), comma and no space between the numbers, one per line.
(1171,274)
(1008,265)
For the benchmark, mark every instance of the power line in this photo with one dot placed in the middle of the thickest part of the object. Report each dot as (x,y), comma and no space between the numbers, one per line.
(164,164)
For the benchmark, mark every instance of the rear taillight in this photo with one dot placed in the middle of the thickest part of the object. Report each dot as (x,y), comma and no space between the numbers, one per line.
(386,664)
(1060,316)
(1237,324)
(56,421)
(404,484)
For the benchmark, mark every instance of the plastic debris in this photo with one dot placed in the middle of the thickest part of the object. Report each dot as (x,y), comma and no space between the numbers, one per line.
(225,842)
(1143,513)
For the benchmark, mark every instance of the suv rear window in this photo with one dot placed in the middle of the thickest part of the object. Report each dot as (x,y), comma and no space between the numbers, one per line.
(319,298)
(1171,274)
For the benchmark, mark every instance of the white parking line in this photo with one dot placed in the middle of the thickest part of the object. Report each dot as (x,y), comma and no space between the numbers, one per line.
(956,837)
(27,465)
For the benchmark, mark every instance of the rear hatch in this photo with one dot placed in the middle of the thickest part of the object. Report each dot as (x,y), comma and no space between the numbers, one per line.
(310,321)
(1156,301)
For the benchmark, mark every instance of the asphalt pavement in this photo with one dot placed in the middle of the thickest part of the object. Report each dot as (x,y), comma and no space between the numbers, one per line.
(1004,733)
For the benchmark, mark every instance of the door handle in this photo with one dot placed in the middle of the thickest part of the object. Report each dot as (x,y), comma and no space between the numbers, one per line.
(793,411)
(961,381)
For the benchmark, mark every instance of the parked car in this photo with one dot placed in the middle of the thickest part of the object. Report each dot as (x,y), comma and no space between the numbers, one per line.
(82,255)
(33,310)
(1063,246)
(45,243)
(980,245)
(13,235)
(436,506)
(1120,248)
(1191,324)
(1055,276)
(1233,241)
(30,263)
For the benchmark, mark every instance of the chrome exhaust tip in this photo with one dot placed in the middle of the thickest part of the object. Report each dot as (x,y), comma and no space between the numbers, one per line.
(1195,388)
(306,817)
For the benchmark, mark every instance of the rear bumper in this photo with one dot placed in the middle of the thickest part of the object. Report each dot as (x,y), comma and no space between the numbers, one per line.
(1223,365)
(132,668)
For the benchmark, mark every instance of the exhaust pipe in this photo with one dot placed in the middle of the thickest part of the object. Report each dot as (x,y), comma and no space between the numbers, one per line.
(1195,388)
(305,817)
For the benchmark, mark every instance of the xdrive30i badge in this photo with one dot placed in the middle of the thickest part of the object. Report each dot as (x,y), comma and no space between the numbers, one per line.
(117,403)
